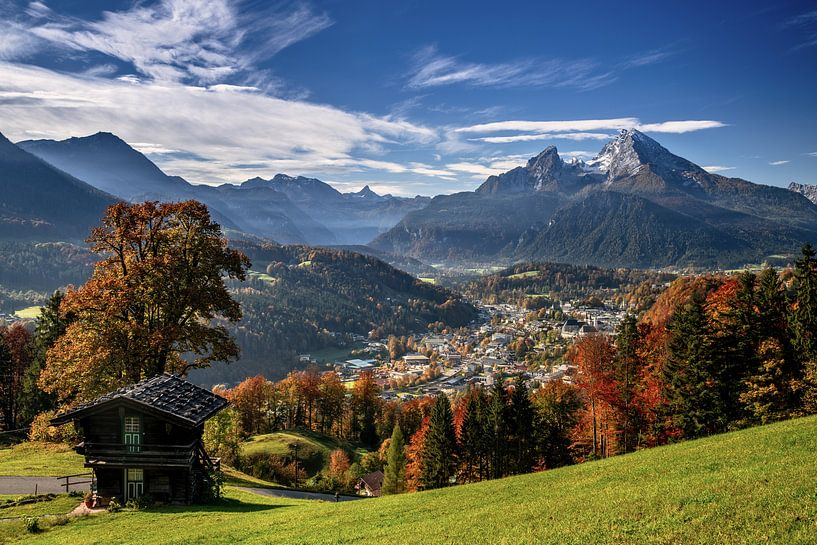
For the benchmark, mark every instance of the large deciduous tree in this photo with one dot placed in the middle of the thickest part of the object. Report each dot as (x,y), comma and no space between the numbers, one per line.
(152,299)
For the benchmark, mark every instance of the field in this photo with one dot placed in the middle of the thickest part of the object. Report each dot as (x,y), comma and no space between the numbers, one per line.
(752,486)
(526,274)
(28,312)
(40,460)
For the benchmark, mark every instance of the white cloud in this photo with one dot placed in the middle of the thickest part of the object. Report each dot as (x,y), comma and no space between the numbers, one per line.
(813,154)
(179,40)
(553,126)
(717,168)
(16,42)
(581,129)
(680,127)
(777,163)
(545,136)
(432,69)
(223,126)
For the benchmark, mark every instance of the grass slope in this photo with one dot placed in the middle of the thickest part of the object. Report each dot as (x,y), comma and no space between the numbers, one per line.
(40,460)
(752,486)
(313,448)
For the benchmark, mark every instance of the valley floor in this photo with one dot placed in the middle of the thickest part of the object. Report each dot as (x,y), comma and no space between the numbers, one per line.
(751,486)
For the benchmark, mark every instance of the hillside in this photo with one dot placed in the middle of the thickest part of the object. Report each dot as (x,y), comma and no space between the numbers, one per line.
(751,486)
(300,299)
(40,202)
(535,284)
(297,299)
(635,204)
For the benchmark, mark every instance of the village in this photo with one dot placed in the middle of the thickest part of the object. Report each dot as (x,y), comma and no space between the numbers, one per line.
(505,342)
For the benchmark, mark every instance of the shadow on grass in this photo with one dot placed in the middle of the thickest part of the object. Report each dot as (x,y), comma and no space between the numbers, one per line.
(226,505)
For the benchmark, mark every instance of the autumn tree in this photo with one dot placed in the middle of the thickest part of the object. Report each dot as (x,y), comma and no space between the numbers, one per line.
(153,297)
(394,475)
(338,463)
(251,398)
(593,355)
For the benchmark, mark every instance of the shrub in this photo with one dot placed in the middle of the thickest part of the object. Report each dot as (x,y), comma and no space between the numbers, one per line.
(140,503)
(32,525)
(114,506)
(42,430)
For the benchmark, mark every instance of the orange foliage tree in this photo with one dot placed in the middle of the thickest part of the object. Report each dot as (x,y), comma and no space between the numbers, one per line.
(152,297)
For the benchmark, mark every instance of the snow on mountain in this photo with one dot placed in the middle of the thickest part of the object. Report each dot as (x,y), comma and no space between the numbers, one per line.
(807,190)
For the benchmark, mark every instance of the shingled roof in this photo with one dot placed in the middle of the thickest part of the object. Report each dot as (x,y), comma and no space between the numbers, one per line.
(165,393)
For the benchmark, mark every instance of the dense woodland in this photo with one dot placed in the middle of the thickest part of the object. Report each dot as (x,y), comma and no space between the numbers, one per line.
(533,285)
(715,353)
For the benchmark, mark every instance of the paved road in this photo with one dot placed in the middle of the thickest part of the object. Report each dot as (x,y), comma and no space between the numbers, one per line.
(26,485)
(296,494)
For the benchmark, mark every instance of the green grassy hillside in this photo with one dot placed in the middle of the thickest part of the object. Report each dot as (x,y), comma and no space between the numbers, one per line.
(40,460)
(313,448)
(752,486)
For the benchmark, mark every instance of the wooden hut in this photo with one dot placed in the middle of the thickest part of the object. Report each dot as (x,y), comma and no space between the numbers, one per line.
(146,438)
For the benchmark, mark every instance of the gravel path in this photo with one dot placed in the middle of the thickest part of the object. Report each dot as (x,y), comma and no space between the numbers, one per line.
(26,485)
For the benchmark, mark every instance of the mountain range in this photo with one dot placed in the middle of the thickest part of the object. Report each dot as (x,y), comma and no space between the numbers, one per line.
(635,204)
(289,210)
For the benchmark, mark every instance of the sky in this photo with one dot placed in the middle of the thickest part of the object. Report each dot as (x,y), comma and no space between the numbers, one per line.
(414,97)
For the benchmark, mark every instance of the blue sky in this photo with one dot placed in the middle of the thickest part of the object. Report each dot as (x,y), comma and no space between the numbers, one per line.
(414,97)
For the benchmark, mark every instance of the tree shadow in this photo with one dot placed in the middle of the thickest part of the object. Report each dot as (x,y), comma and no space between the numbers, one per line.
(225,505)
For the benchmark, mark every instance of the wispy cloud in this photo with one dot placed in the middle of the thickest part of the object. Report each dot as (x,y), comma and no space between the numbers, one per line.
(805,24)
(717,168)
(198,132)
(778,163)
(177,40)
(813,154)
(430,68)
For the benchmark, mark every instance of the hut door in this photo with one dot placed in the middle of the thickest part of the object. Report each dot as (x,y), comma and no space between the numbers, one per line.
(135,483)
(133,434)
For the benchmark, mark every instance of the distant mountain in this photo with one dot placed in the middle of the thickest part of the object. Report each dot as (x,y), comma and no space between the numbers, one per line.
(40,202)
(105,161)
(291,210)
(808,191)
(352,218)
(634,204)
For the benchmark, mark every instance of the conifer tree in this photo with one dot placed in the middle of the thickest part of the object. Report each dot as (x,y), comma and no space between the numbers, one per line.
(771,391)
(803,323)
(394,478)
(692,387)
(497,429)
(626,368)
(521,421)
(470,444)
(50,326)
(438,456)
